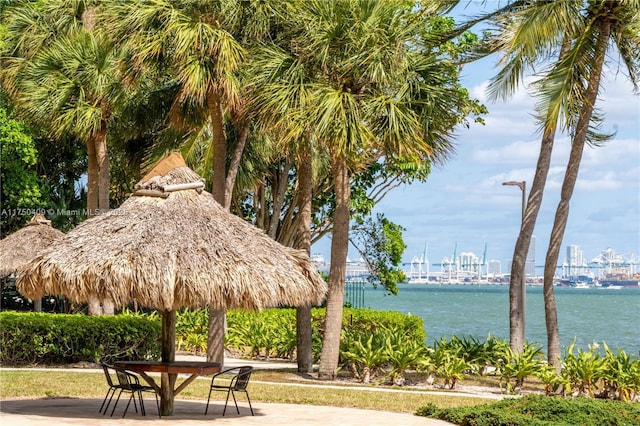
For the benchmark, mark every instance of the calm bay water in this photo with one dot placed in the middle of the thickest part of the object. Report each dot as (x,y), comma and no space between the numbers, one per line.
(592,314)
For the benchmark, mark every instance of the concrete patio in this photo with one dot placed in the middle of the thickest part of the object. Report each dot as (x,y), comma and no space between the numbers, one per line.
(71,411)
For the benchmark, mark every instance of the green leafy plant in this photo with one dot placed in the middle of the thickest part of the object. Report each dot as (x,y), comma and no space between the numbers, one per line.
(41,338)
(620,375)
(583,370)
(196,343)
(518,366)
(448,364)
(539,410)
(366,355)
(402,354)
(553,382)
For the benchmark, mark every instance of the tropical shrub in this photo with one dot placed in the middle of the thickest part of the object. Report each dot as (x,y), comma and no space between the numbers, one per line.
(539,410)
(272,332)
(365,354)
(403,354)
(449,366)
(265,334)
(29,338)
(517,366)
(583,370)
(554,383)
(482,357)
(621,375)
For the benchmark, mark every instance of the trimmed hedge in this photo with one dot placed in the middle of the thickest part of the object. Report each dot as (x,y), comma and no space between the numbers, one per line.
(40,338)
(540,410)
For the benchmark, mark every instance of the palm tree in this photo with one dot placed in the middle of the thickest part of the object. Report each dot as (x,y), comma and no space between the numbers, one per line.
(357,81)
(62,74)
(600,26)
(521,47)
(187,42)
(579,35)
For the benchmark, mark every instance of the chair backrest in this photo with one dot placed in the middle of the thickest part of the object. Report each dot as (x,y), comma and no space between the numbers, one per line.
(241,380)
(105,368)
(126,379)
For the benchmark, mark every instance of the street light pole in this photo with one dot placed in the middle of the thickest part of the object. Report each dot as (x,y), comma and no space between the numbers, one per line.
(523,289)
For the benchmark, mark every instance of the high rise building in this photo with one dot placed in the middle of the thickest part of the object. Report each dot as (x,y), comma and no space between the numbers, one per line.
(575,261)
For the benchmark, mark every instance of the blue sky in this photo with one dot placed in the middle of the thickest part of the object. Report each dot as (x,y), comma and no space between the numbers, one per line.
(464,201)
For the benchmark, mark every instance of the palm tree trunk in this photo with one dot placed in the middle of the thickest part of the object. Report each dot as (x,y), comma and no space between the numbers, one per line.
(304,330)
(568,184)
(219,147)
(215,338)
(92,178)
(104,184)
(102,158)
(339,247)
(518,266)
(280,183)
(92,203)
(234,165)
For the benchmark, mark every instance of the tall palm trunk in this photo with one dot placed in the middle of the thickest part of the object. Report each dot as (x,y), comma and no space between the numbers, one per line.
(102,158)
(234,165)
(219,139)
(279,189)
(303,241)
(215,339)
(104,183)
(93,191)
(518,266)
(534,201)
(568,184)
(339,248)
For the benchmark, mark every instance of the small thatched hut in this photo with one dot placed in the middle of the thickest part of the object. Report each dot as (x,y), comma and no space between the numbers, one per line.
(20,247)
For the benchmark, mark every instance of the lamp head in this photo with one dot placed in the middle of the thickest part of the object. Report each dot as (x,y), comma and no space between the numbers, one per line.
(520,185)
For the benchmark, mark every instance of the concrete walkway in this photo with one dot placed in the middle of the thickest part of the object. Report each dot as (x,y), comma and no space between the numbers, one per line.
(81,411)
(49,412)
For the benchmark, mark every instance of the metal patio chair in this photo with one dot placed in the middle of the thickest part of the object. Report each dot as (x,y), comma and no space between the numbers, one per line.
(113,387)
(129,382)
(238,383)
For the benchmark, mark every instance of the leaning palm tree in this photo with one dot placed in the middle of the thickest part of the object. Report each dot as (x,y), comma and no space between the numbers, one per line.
(522,40)
(600,27)
(578,34)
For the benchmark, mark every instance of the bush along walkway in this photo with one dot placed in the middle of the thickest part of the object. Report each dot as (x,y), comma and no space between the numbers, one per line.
(540,410)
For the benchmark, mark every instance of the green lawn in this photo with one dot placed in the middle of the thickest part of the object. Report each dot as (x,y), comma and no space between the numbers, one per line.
(266,386)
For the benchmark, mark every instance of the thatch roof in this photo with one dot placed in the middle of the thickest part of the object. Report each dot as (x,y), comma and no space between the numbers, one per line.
(18,248)
(171,245)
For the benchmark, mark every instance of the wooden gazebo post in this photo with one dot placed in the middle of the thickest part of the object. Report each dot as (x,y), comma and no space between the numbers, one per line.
(168,381)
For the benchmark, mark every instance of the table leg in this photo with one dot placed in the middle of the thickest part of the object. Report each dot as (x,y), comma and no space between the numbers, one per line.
(168,381)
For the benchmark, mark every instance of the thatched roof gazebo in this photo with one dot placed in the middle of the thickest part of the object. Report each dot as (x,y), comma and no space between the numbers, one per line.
(171,245)
(20,247)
